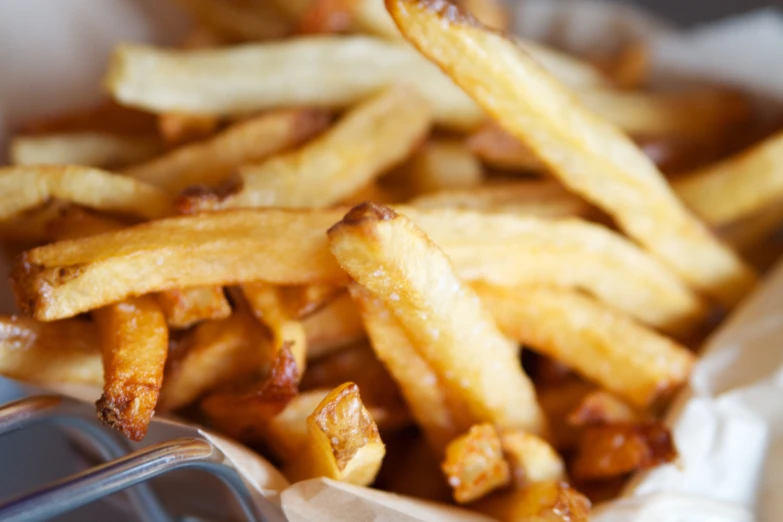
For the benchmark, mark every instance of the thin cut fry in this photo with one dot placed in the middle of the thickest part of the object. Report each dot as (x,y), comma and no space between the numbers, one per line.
(612,450)
(425,395)
(443,165)
(343,441)
(498,149)
(594,340)
(335,326)
(551,501)
(531,458)
(240,20)
(212,161)
(135,343)
(590,156)
(527,198)
(370,139)
(474,464)
(398,263)
(268,305)
(91,149)
(177,128)
(601,407)
(184,307)
(46,353)
(738,186)
(329,72)
(26,187)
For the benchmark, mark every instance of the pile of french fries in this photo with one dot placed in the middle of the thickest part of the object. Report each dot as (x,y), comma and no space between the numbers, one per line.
(391,245)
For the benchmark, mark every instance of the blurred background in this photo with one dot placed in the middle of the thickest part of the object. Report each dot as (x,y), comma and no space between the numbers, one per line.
(688,12)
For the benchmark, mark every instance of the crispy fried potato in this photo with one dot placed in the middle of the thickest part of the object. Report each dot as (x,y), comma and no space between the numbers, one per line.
(551,501)
(587,154)
(75,223)
(398,263)
(737,187)
(177,128)
(268,306)
(46,353)
(601,407)
(371,138)
(337,73)
(107,116)
(212,161)
(134,342)
(342,441)
(238,20)
(594,340)
(474,464)
(528,198)
(531,458)
(214,353)
(443,165)
(498,149)
(302,301)
(611,450)
(26,187)
(93,149)
(425,394)
(184,307)
(335,326)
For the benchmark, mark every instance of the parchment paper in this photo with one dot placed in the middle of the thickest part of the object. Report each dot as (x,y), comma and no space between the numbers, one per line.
(728,425)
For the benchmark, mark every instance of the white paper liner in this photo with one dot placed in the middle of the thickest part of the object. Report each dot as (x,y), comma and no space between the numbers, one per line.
(729,426)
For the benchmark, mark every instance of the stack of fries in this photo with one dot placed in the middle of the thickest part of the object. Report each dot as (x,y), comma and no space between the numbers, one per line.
(389,245)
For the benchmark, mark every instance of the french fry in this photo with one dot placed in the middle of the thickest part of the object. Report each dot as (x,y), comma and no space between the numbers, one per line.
(239,20)
(268,306)
(184,307)
(611,450)
(425,395)
(302,301)
(370,139)
(528,198)
(736,187)
(134,342)
(594,340)
(75,223)
(531,459)
(177,128)
(601,407)
(339,72)
(443,165)
(587,154)
(213,353)
(26,187)
(212,161)
(551,501)
(46,353)
(342,441)
(498,149)
(474,464)
(335,326)
(91,149)
(398,263)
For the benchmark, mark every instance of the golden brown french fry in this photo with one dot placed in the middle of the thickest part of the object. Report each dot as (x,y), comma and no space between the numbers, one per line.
(611,450)
(177,128)
(596,341)
(543,199)
(338,72)
(75,223)
(602,407)
(443,165)
(498,149)
(586,153)
(551,501)
(26,187)
(335,326)
(531,459)
(371,138)
(184,307)
(425,394)
(474,464)
(107,116)
(134,342)
(212,161)
(93,149)
(738,186)
(239,20)
(268,306)
(342,441)
(387,254)
(46,353)
(213,353)
(302,301)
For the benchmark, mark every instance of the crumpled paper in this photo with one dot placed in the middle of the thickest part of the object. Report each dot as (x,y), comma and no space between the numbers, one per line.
(728,425)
